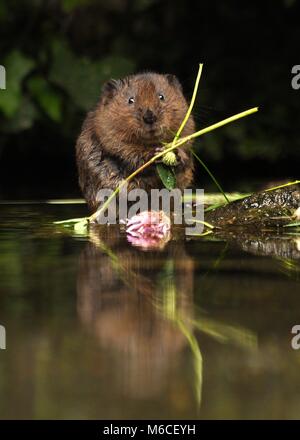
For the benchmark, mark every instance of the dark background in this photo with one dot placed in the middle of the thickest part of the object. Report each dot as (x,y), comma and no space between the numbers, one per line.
(58,53)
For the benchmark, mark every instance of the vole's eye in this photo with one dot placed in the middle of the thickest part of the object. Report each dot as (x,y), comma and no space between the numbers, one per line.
(161,97)
(131,100)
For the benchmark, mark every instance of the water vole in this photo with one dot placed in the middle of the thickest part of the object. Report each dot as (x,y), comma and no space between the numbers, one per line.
(131,120)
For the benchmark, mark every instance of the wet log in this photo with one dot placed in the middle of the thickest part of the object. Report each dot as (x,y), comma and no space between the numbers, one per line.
(266,209)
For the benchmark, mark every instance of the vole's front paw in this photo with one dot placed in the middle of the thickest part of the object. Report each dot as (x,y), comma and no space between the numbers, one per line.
(181,156)
(157,151)
(173,158)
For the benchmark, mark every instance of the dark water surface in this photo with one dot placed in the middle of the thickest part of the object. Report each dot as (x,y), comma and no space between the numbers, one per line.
(97,328)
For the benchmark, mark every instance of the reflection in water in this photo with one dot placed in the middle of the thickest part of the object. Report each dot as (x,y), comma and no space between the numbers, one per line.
(149,230)
(133,312)
(141,306)
(125,343)
(285,249)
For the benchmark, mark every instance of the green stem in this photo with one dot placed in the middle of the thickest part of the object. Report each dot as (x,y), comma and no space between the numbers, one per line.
(71,220)
(284,185)
(171,148)
(211,175)
(208,225)
(198,362)
(188,113)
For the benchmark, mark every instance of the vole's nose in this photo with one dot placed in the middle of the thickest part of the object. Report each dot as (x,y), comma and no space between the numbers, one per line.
(149,117)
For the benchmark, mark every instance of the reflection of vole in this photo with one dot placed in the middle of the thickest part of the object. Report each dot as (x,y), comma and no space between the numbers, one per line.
(132,119)
(123,297)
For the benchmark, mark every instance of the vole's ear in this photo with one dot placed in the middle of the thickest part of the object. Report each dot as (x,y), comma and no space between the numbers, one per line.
(110,88)
(173,81)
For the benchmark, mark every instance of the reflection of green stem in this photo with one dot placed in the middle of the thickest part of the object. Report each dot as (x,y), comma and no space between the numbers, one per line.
(126,275)
(70,220)
(169,291)
(289,267)
(169,310)
(225,333)
(215,264)
(197,358)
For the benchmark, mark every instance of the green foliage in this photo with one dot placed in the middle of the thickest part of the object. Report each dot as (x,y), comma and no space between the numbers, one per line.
(80,77)
(58,54)
(70,84)
(69,5)
(3,10)
(23,118)
(167,175)
(17,67)
(46,97)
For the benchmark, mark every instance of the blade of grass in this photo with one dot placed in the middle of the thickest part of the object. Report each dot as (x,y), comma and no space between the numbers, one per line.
(218,205)
(188,113)
(292,225)
(211,175)
(208,225)
(71,220)
(284,185)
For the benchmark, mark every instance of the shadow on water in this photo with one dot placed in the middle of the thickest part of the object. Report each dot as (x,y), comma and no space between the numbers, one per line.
(98,328)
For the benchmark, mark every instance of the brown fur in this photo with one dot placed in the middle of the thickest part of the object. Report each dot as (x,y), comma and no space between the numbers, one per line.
(115,140)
